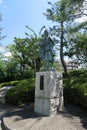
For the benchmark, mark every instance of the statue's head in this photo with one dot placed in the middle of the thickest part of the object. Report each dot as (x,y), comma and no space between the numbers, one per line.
(46,33)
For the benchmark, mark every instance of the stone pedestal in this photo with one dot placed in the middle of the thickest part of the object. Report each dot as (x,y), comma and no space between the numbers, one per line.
(48,93)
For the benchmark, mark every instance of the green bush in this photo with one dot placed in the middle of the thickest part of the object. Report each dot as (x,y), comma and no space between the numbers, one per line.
(11,83)
(22,93)
(75,87)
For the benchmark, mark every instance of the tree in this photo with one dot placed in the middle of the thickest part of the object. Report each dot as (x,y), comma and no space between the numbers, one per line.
(26,52)
(2,70)
(0,27)
(1,37)
(2,62)
(81,6)
(80,48)
(64,13)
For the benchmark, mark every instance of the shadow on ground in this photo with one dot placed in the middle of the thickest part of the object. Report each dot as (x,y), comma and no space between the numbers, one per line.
(73,112)
(24,112)
(3,109)
(70,112)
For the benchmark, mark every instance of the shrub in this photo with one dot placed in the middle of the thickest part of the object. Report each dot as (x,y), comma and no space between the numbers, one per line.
(75,87)
(22,93)
(11,83)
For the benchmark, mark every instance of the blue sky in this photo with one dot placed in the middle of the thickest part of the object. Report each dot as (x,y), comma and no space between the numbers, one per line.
(18,13)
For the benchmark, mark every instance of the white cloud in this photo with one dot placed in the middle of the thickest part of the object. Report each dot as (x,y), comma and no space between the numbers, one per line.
(4,52)
(0,1)
(4,5)
(7,54)
(82,19)
(84,10)
(2,48)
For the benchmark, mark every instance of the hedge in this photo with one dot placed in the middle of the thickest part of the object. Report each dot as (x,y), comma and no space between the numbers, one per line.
(22,93)
(75,87)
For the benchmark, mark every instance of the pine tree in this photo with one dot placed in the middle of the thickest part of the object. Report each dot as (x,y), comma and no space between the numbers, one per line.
(64,14)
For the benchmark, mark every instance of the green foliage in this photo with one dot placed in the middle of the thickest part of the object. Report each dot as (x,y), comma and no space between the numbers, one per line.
(78,49)
(75,87)
(10,70)
(64,13)
(24,61)
(22,93)
(58,66)
(1,37)
(2,70)
(78,27)
(26,52)
(81,47)
(11,83)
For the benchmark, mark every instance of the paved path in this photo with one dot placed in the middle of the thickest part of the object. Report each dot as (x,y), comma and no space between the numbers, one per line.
(3,110)
(24,118)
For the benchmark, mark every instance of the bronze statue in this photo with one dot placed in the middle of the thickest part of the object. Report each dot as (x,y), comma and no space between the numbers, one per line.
(46,50)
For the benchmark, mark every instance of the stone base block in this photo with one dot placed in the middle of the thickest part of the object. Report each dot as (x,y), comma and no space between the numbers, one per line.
(48,93)
(46,106)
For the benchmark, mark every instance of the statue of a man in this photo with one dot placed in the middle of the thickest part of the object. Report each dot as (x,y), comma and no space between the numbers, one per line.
(46,50)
